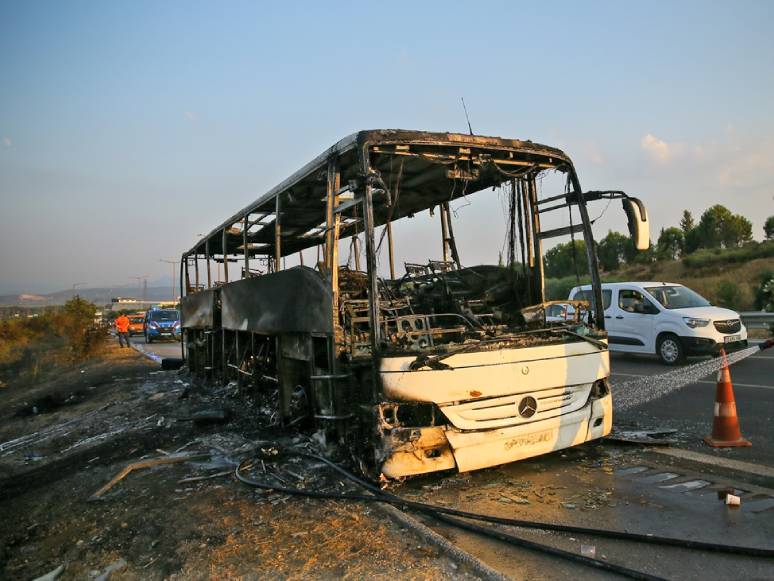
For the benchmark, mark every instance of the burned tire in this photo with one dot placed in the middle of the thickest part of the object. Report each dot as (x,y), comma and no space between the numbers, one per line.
(670,349)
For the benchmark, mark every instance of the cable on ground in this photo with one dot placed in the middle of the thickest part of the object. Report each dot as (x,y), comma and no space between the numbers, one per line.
(448,515)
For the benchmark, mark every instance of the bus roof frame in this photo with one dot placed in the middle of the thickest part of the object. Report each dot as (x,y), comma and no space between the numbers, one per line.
(357,148)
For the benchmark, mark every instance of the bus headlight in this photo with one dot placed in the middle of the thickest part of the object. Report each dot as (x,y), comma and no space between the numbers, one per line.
(600,388)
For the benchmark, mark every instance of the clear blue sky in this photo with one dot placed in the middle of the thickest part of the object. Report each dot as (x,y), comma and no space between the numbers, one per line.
(127,128)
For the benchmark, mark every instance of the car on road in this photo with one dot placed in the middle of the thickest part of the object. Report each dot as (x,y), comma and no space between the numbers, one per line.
(136,324)
(162,324)
(666,319)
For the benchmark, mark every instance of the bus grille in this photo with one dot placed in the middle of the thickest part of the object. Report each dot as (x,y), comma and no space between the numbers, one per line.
(498,412)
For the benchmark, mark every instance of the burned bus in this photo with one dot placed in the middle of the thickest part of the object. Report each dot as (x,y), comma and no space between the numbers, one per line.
(435,365)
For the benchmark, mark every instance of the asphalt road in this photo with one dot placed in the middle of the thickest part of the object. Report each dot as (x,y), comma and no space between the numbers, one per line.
(163,348)
(605,485)
(689,410)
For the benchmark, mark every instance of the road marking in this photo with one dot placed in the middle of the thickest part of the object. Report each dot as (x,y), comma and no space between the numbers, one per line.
(705,381)
(147,354)
(760,505)
(632,470)
(660,477)
(714,460)
(686,486)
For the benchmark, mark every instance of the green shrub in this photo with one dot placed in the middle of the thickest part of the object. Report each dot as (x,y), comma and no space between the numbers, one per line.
(729,295)
(76,326)
(764,294)
(558,289)
(717,257)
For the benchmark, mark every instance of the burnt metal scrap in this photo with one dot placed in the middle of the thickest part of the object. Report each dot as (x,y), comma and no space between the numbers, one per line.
(416,371)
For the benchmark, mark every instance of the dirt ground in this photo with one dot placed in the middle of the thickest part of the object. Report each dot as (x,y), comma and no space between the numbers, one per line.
(62,440)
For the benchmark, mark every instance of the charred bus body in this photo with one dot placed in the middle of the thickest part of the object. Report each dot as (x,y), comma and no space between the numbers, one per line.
(439,367)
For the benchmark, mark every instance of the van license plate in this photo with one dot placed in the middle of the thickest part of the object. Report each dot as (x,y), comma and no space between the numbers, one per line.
(732,338)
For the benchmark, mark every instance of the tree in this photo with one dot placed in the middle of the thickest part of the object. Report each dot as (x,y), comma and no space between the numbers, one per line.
(631,254)
(559,260)
(719,228)
(768,228)
(687,224)
(75,324)
(612,250)
(736,232)
(691,234)
(671,244)
(692,241)
(640,256)
(711,225)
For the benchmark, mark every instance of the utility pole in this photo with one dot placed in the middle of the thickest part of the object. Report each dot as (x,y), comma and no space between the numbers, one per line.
(142,289)
(174,264)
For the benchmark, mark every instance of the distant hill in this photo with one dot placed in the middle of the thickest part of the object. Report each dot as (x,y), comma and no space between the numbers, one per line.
(99,296)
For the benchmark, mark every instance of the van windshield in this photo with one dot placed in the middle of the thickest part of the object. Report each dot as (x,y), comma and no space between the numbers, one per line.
(677,297)
(164,316)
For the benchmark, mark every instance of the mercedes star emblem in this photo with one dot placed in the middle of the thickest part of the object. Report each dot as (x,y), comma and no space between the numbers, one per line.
(527,407)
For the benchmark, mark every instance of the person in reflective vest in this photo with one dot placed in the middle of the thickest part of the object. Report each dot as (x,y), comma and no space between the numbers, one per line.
(122,329)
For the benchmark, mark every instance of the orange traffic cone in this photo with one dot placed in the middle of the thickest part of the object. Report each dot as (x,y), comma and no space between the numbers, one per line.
(725,424)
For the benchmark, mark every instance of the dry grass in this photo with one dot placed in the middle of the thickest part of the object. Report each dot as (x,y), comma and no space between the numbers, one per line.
(51,340)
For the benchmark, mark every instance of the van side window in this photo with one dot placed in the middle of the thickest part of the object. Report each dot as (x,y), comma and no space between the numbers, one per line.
(586,295)
(633,301)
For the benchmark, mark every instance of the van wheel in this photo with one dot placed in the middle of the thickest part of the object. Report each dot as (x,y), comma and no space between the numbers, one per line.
(669,349)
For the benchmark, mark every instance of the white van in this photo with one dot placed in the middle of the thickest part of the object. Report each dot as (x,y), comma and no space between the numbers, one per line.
(667,319)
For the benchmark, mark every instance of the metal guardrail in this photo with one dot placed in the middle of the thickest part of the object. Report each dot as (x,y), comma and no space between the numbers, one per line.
(759,319)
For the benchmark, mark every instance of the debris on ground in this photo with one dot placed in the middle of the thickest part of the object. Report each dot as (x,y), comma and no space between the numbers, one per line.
(647,437)
(52,575)
(151,462)
(733,500)
(181,517)
(118,565)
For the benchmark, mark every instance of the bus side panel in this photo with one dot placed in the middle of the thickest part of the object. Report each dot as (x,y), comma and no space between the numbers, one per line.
(296,300)
(200,321)
(198,310)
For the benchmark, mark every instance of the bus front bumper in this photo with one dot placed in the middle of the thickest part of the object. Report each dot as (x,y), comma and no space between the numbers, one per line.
(413,451)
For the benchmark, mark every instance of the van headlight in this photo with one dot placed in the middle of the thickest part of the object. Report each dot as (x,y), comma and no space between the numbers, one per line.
(693,323)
